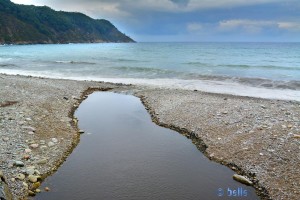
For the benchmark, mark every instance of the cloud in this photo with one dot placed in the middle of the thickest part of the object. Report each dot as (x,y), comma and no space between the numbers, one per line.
(256,26)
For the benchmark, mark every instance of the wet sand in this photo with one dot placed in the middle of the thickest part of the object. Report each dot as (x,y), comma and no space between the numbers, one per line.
(257,138)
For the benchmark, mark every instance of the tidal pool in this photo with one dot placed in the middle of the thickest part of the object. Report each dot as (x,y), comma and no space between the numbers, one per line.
(123,155)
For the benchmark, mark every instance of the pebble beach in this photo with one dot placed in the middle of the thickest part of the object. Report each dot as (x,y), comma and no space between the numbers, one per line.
(257,138)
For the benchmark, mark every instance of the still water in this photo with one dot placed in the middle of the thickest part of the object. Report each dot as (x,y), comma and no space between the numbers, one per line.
(124,155)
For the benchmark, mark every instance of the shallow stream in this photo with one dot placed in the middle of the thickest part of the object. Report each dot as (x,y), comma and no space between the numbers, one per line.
(124,155)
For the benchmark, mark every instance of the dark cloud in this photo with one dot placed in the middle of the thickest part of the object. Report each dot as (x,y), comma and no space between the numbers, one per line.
(193,19)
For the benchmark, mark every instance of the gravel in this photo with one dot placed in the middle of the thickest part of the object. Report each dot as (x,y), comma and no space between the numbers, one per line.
(257,138)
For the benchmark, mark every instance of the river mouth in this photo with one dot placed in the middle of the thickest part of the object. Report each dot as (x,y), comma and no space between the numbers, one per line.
(124,155)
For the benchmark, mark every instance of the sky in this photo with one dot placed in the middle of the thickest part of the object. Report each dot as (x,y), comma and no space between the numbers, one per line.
(192,20)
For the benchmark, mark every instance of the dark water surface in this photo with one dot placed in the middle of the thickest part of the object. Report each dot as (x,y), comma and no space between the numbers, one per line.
(124,155)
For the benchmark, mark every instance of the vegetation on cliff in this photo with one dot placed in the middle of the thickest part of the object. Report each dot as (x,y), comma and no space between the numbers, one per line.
(23,24)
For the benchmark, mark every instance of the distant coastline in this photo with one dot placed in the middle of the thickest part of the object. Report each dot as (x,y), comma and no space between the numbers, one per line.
(23,24)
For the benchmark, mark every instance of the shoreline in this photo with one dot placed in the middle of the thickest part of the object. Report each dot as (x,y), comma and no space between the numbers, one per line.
(182,120)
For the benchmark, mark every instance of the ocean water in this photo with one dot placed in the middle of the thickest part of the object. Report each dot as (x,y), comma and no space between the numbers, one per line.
(268,70)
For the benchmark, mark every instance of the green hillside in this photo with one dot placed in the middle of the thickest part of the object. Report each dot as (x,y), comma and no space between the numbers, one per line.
(22,24)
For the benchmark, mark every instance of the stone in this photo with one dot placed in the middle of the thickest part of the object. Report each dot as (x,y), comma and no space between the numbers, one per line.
(26,157)
(47,189)
(42,161)
(242,179)
(296,136)
(261,154)
(5,139)
(27,150)
(54,140)
(25,185)
(37,190)
(31,133)
(32,178)
(42,142)
(29,171)
(81,131)
(20,177)
(1,174)
(19,164)
(30,193)
(29,128)
(35,185)
(290,126)
(34,146)
(51,144)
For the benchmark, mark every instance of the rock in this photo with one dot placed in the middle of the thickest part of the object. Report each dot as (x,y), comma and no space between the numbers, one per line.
(31,133)
(37,172)
(33,179)
(29,128)
(43,147)
(1,174)
(296,136)
(19,164)
(30,193)
(34,146)
(261,154)
(54,140)
(42,142)
(5,139)
(42,161)
(290,126)
(35,185)
(37,190)
(27,150)
(66,98)
(242,179)
(29,171)
(26,157)
(25,185)
(13,179)
(81,131)
(47,189)
(20,177)
(51,144)
(263,106)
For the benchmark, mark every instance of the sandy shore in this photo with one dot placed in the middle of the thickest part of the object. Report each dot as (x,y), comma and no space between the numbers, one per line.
(257,138)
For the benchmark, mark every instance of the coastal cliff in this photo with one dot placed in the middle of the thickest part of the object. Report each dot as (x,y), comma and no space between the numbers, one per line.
(23,24)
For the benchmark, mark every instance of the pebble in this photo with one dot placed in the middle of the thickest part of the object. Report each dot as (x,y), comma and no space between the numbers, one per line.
(5,139)
(35,185)
(37,190)
(296,136)
(1,174)
(32,178)
(42,161)
(25,185)
(29,128)
(27,150)
(26,157)
(242,179)
(81,131)
(29,171)
(261,154)
(54,140)
(30,193)
(34,146)
(19,164)
(31,133)
(51,144)
(20,177)
(47,189)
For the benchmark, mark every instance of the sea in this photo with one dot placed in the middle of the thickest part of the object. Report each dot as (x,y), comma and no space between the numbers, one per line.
(266,70)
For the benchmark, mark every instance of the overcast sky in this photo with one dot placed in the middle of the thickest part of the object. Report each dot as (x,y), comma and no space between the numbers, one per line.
(192,20)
